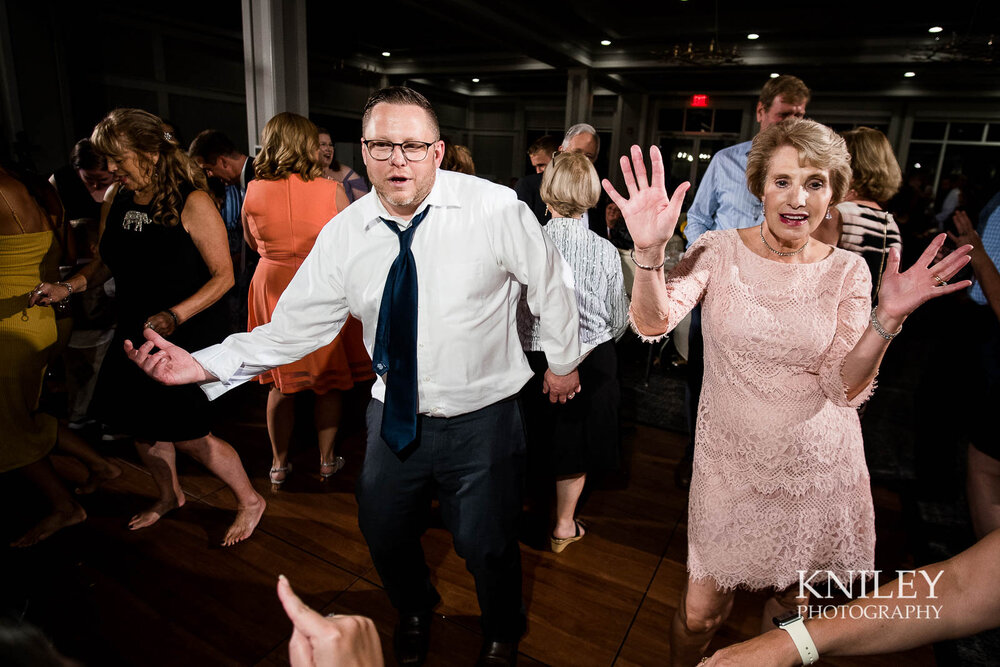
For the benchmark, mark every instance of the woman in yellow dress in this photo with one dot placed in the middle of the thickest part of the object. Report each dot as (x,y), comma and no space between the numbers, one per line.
(29,254)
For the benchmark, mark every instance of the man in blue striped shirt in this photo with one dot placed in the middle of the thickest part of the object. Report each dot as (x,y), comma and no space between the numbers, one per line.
(722,200)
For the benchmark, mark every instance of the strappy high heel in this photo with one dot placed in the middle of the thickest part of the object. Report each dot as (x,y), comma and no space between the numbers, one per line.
(328,470)
(279,475)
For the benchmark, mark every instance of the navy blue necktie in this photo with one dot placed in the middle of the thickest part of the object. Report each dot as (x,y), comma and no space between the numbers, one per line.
(395,349)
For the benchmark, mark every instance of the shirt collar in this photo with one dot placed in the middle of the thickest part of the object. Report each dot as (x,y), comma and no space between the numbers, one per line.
(243,174)
(443,194)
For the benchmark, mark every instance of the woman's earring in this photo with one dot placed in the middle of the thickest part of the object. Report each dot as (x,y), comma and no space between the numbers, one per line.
(829,216)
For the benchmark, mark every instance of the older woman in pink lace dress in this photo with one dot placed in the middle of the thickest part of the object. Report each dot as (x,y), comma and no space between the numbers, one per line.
(792,348)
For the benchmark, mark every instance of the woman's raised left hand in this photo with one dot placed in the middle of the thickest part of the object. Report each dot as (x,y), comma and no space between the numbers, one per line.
(902,293)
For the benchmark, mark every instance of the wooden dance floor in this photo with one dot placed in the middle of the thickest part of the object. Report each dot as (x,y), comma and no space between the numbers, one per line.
(169,595)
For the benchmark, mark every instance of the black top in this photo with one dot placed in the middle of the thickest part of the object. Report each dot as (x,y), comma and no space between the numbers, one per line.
(155,267)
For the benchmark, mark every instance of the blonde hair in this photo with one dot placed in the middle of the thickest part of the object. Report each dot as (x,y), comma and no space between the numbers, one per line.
(817,145)
(570,184)
(142,133)
(875,171)
(289,145)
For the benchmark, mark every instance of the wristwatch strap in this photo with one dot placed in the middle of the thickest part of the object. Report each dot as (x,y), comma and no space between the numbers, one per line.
(803,641)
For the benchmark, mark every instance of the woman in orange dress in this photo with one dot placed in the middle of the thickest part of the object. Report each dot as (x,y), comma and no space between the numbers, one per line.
(284,210)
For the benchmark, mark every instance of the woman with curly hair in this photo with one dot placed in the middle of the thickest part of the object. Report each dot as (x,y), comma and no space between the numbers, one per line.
(163,241)
(285,209)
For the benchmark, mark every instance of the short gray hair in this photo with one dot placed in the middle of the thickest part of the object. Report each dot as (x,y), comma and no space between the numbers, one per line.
(581,128)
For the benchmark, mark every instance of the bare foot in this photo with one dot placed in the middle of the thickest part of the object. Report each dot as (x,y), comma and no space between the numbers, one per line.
(97,476)
(155,513)
(247,518)
(49,525)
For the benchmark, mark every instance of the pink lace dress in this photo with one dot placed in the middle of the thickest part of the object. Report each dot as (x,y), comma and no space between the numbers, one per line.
(780,482)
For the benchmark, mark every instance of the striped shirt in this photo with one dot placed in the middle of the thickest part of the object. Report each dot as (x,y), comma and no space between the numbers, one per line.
(869,232)
(600,286)
(722,200)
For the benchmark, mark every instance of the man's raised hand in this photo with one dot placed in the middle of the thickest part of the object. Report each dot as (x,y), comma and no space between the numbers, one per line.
(169,364)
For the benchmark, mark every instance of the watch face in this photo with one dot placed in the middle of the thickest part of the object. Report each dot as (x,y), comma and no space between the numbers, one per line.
(786,618)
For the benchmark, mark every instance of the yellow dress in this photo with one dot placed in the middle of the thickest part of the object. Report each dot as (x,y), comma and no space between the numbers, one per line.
(27,336)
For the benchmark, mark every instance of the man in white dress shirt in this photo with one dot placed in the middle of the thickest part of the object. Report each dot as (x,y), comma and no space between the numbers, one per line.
(475,243)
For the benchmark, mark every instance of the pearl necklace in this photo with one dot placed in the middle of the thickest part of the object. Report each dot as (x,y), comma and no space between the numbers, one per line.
(778,252)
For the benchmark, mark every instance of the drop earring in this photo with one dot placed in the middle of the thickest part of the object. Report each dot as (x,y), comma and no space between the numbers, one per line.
(829,216)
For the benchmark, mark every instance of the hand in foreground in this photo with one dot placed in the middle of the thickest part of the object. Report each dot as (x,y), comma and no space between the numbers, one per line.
(560,388)
(771,649)
(170,365)
(649,214)
(902,293)
(341,641)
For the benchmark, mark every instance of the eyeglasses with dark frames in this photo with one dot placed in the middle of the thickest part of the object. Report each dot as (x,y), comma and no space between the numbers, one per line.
(414,151)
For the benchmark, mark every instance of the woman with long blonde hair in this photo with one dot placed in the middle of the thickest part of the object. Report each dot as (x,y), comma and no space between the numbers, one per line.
(163,241)
(284,210)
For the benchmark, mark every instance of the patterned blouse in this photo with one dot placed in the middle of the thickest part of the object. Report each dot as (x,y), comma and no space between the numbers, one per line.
(600,287)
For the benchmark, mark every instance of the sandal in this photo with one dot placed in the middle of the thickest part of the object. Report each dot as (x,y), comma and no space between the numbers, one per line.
(560,543)
(278,475)
(328,470)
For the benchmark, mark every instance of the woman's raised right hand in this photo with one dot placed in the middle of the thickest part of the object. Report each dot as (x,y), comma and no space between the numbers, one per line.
(650,215)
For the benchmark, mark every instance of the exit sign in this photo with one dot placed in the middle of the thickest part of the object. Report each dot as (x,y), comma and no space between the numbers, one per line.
(699,100)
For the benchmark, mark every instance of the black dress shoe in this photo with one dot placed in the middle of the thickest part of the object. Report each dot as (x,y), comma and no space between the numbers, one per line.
(497,654)
(412,638)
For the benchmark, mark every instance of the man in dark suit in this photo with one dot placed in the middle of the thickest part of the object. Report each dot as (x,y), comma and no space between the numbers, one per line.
(528,187)
(581,138)
(219,157)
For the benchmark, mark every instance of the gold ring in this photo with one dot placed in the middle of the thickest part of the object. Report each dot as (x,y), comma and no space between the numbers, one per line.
(940,281)
(149,325)
(572,395)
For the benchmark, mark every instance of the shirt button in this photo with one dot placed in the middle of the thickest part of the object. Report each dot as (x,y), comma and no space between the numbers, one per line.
(426,378)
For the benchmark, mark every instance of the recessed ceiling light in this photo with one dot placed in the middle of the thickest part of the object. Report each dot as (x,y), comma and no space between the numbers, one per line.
(386,54)
(476,80)
(909,75)
(753,35)
(774,75)
(936,28)
(605,42)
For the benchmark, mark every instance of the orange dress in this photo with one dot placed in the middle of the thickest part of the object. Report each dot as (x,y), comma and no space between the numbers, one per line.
(284,217)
